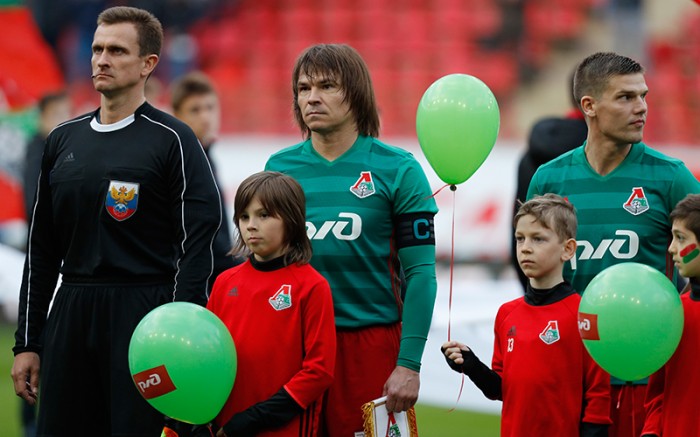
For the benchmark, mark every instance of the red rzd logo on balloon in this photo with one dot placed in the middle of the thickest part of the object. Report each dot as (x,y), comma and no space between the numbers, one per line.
(154,382)
(588,326)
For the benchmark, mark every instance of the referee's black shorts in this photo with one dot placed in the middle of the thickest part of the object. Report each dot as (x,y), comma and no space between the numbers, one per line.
(86,387)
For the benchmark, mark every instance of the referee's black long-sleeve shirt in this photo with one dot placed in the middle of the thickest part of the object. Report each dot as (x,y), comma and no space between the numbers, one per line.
(131,202)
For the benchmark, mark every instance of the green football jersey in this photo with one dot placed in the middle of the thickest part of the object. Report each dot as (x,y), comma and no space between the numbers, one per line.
(622,216)
(352,204)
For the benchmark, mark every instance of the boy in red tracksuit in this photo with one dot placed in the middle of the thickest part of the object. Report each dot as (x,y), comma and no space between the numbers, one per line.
(672,392)
(279,311)
(549,384)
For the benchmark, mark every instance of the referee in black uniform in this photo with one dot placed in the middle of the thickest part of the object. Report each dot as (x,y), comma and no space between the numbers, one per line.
(126,210)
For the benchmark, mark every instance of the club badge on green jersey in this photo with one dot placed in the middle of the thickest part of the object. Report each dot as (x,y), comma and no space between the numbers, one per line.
(550,334)
(282,299)
(364,187)
(637,202)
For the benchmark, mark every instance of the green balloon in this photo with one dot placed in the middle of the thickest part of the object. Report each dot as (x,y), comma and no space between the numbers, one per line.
(457,124)
(631,320)
(183,361)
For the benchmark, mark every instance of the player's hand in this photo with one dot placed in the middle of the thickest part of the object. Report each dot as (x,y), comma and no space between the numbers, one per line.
(25,375)
(175,428)
(401,389)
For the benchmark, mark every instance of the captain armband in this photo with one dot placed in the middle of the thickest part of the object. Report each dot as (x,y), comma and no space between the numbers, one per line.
(415,229)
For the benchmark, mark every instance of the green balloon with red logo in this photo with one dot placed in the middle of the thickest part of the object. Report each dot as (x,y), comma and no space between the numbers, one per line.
(183,361)
(630,320)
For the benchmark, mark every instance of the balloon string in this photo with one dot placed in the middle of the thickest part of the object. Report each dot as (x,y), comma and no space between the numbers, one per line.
(631,391)
(453,188)
(459,395)
(452,268)
(452,261)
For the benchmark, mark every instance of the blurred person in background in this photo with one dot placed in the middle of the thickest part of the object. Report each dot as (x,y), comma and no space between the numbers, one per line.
(623,192)
(126,210)
(629,29)
(154,92)
(370,214)
(194,100)
(53,108)
(549,138)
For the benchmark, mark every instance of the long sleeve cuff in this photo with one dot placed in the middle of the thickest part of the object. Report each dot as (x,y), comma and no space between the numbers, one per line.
(274,412)
(594,430)
(488,381)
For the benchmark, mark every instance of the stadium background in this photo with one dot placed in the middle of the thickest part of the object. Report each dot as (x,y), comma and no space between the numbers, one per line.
(523,50)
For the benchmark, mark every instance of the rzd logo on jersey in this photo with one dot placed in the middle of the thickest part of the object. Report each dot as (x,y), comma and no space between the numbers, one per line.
(550,334)
(122,199)
(364,187)
(338,228)
(282,299)
(154,382)
(637,202)
(624,247)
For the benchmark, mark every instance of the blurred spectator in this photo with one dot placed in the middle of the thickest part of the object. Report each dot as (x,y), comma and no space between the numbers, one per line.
(626,18)
(68,27)
(51,17)
(16,127)
(512,26)
(177,15)
(53,109)
(511,37)
(549,138)
(154,92)
(180,50)
(195,101)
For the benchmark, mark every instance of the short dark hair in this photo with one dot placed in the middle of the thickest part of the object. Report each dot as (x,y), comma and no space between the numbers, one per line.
(344,64)
(195,83)
(688,211)
(551,211)
(594,72)
(282,197)
(148,27)
(570,90)
(48,99)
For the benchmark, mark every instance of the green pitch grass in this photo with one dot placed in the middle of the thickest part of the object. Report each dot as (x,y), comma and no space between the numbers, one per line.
(432,421)
(440,422)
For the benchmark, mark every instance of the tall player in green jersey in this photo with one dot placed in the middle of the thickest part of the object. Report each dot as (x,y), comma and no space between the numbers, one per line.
(623,192)
(369,216)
